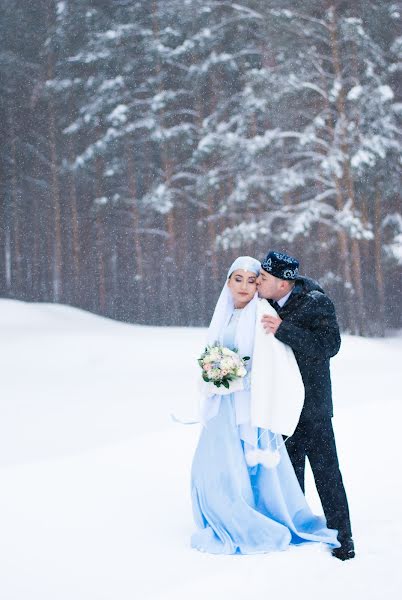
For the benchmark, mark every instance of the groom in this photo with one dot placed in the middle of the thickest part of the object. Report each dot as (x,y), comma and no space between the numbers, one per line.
(307,323)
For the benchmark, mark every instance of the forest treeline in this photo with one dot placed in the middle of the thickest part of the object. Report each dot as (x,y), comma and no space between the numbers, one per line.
(145,144)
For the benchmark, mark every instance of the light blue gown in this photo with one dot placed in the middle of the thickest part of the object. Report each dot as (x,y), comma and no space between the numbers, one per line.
(243,510)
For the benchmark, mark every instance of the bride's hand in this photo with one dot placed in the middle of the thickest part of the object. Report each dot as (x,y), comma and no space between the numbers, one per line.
(271,323)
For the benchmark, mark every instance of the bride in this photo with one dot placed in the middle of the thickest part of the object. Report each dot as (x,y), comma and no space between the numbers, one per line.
(245,494)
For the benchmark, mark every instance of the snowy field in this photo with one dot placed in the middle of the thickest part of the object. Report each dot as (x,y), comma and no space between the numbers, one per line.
(94,475)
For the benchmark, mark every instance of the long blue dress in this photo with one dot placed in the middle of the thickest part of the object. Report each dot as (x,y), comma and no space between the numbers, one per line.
(246,510)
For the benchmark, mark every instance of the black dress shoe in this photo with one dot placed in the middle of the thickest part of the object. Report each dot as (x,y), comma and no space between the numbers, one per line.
(346,551)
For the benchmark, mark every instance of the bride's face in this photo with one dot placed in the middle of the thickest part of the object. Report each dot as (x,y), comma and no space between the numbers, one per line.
(243,285)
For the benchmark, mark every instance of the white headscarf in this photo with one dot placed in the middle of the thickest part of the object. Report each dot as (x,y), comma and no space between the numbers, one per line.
(225,306)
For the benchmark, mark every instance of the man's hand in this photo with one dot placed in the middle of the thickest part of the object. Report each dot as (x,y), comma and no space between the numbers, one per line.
(270,323)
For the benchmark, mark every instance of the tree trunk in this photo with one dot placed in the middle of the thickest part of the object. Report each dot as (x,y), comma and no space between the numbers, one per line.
(13,259)
(347,181)
(74,227)
(56,267)
(378,263)
(135,219)
(100,238)
(346,269)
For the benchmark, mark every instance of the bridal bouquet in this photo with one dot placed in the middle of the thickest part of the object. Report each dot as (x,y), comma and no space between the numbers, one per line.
(221,365)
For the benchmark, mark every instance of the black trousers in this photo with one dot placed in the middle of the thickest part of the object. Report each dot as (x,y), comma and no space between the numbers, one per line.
(316,441)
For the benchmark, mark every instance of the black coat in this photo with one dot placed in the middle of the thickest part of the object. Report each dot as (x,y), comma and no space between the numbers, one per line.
(310,328)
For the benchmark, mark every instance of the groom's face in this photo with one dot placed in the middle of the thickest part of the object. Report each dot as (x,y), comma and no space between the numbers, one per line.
(270,287)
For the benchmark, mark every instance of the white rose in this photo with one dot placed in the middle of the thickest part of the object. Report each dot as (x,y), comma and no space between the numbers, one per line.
(227,352)
(227,364)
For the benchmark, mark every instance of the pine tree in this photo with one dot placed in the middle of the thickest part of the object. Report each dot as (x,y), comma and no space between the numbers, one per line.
(330,121)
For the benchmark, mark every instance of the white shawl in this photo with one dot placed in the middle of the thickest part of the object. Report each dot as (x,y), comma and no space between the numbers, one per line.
(277,390)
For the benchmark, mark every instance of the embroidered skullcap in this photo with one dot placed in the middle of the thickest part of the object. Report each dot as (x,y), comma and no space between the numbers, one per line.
(281,265)
(245,263)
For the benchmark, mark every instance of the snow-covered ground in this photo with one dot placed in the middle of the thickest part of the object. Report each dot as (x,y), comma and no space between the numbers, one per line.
(94,474)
